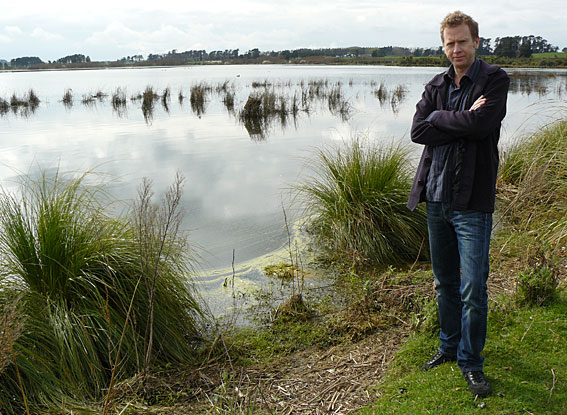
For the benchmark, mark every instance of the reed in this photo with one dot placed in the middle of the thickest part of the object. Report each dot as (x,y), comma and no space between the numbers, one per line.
(4,106)
(165,98)
(68,98)
(88,100)
(382,93)
(337,103)
(149,96)
(118,101)
(260,110)
(356,201)
(228,101)
(398,97)
(77,270)
(198,97)
(29,100)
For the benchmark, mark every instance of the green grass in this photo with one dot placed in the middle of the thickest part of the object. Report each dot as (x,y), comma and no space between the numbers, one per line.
(549,55)
(525,351)
(533,183)
(356,200)
(86,295)
(525,354)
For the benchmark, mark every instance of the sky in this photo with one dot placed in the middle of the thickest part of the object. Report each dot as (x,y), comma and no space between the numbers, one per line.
(112,29)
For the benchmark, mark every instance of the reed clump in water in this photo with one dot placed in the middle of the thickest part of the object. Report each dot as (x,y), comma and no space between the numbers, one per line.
(398,97)
(118,101)
(26,104)
(165,98)
(4,106)
(228,101)
(337,103)
(260,110)
(356,201)
(96,292)
(198,97)
(382,93)
(148,97)
(68,98)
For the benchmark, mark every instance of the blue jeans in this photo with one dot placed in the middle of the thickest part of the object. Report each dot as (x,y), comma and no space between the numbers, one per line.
(459,243)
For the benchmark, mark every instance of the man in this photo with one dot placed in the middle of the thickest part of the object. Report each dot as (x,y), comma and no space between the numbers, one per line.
(458,120)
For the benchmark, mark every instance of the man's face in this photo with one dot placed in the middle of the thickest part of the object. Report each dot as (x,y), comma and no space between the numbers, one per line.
(460,47)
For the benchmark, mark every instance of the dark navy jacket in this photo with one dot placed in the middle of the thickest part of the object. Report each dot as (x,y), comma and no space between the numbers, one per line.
(476,131)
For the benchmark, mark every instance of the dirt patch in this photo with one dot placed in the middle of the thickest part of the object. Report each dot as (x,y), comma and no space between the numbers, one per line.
(338,380)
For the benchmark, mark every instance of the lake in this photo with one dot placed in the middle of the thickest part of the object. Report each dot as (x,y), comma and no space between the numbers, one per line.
(238,172)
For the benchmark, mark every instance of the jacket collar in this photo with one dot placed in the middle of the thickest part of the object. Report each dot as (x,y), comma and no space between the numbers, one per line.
(483,71)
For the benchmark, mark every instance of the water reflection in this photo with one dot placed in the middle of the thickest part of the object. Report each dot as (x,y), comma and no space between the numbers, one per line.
(119,102)
(540,83)
(236,175)
(20,106)
(269,104)
(68,98)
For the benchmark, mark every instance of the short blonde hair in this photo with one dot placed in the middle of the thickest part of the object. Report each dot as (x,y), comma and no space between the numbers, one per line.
(458,18)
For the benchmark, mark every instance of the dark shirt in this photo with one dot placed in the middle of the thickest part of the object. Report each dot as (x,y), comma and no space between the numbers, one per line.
(442,172)
(476,131)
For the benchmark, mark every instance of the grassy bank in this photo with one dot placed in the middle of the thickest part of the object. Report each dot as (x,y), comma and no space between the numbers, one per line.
(101,303)
(525,362)
(525,355)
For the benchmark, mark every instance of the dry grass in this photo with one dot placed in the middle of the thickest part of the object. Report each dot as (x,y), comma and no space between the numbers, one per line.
(11,325)
(337,380)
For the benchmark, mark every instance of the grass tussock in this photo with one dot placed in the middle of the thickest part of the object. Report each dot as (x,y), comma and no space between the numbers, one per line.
(198,97)
(119,102)
(23,106)
(67,99)
(356,199)
(4,106)
(103,298)
(533,186)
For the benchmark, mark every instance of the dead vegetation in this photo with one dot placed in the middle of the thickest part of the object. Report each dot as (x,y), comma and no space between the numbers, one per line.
(338,380)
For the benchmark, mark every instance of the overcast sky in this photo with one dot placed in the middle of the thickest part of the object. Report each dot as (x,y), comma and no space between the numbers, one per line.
(111,29)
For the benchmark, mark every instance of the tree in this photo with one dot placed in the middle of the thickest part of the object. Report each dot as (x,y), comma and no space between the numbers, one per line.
(25,61)
(484,47)
(525,50)
(76,58)
(507,46)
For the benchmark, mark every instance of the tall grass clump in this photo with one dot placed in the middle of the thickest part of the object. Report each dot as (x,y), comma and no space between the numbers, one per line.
(149,96)
(533,184)
(356,199)
(68,98)
(119,102)
(89,314)
(198,97)
(4,106)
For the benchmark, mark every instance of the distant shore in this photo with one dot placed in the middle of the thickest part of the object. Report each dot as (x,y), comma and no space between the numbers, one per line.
(546,61)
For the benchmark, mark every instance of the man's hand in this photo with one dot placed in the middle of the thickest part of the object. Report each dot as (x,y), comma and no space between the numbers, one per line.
(478,103)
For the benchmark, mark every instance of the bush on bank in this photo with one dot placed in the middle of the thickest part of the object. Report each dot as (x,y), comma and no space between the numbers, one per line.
(88,305)
(356,201)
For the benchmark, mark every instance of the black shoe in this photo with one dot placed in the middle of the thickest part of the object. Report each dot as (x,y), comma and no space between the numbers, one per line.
(478,384)
(438,359)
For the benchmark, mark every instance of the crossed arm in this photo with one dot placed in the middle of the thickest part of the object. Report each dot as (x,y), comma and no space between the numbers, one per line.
(432,126)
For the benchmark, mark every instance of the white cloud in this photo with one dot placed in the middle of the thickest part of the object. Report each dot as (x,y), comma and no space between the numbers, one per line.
(43,34)
(118,35)
(107,28)
(13,30)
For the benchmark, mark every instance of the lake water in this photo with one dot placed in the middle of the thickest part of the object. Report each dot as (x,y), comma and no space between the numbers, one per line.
(237,176)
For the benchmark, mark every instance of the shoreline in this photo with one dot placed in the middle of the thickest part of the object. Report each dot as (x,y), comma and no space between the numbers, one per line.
(402,62)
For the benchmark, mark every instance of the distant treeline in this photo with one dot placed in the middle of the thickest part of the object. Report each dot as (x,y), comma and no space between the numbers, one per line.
(506,49)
